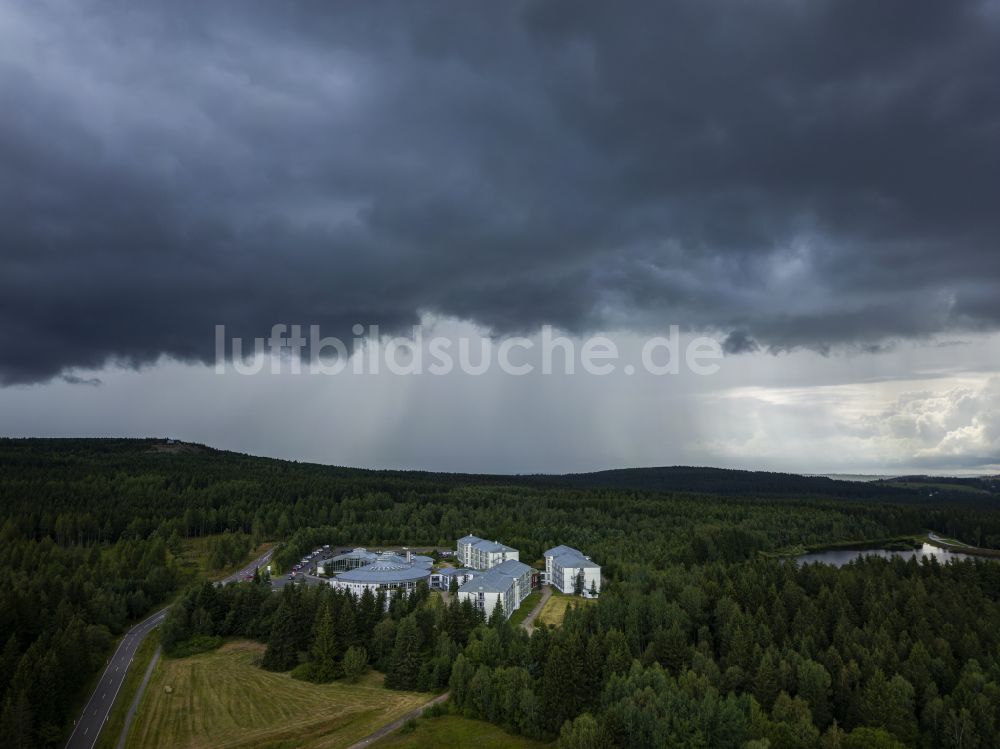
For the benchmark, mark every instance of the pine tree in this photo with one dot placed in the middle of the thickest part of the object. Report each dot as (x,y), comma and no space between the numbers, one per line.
(176,628)
(355,663)
(618,658)
(461,675)
(323,654)
(675,652)
(889,703)
(8,664)
(404,663)
(873,738)
(47,699)
(873,706)
(383,640)
(583,732)
(282,650)
(792,724)
(833,738)
(491,650)
(480,694)
(765,683)
(558,688)
(497,618)
(16,723)
(345,624)
(814,687)
(367,615)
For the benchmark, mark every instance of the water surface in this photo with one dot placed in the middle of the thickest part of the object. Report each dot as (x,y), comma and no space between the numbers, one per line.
(840,557)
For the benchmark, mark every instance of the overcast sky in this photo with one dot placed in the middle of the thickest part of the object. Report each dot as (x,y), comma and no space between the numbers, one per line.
(813,185)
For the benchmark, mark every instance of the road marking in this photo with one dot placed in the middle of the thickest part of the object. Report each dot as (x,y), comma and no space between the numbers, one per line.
(142,628)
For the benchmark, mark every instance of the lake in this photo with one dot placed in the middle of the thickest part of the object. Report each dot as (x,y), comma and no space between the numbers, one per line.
(840,557)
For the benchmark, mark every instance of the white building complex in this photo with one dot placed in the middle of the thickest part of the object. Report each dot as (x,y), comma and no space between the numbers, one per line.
(508,583)
(479,554)
(564,567)
(443,577)
(389,572)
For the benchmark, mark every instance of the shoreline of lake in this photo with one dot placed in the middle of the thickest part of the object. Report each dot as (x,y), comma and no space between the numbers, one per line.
(840,557)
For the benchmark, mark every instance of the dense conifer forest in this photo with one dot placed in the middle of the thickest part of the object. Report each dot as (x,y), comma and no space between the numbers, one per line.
(703,637)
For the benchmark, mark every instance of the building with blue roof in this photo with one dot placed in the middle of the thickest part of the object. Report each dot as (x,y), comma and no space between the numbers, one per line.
(389,572)
(506,584)
(442,578)
(479,554)
(568,570)
(349,560)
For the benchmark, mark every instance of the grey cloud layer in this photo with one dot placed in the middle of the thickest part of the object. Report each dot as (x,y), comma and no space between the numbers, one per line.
(784,174)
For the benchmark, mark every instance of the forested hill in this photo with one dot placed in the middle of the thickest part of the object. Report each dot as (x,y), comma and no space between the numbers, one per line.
(731,482)
(933,485)
(95,533)
(70,458)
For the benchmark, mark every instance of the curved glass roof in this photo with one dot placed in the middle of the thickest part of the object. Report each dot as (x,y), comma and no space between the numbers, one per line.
(356,554)
(387,568)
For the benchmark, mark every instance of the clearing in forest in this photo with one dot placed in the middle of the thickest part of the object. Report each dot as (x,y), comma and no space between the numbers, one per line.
(221,700)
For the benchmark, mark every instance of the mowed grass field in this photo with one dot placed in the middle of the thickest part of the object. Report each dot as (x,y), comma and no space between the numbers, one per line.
(456,732)
(221,700)
(555,609)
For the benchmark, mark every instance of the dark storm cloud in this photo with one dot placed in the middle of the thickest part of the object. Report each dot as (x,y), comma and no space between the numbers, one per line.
(75,380)
(739,342)
(785,174)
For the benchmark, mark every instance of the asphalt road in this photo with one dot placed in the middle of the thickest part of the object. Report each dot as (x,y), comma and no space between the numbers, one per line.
(88,727)
(95,714)
(134,707)
(280,581)
(247,571)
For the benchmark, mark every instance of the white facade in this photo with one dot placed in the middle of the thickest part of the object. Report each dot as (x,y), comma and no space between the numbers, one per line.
(388,572)
(464,550)
(508,583)
(564,565)
(486,599)
(478,554)
(443,577)
(358,587)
